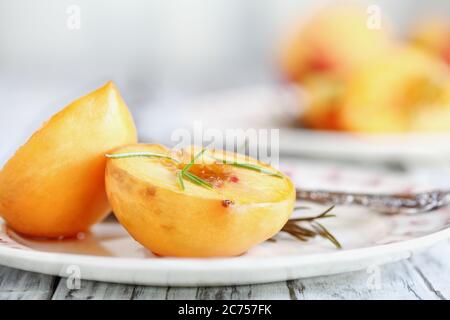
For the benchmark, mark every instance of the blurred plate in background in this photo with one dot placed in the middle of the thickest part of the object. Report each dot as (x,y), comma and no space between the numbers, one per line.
(278,106)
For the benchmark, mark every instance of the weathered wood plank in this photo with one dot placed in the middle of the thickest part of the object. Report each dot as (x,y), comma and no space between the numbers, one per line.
(433,266)
(276,291)
(425,276)
(97,290)
(222,293)
(263,291)
(17,285)
(396,281)
(181,293)
(273,291)
(93,290)
(150,293)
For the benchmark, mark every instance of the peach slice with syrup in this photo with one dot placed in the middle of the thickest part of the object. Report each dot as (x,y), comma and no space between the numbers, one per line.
(175,204)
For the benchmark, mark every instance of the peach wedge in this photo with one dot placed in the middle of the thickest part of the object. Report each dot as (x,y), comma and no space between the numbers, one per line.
(241,202)
(54,184)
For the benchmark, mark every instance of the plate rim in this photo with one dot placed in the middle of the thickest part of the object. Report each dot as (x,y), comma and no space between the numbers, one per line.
(53,263)
(373,147)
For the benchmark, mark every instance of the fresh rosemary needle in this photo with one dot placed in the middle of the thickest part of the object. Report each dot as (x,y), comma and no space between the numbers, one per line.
(180,180)
(190,164)
(249,166)
(302,233)
(323,215)
(195,179)
(140,154)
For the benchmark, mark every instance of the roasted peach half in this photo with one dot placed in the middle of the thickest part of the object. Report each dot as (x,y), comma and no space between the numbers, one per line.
(54,185)
(234,209)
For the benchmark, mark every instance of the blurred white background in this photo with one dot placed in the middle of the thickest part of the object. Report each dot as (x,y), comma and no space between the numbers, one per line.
(156,51)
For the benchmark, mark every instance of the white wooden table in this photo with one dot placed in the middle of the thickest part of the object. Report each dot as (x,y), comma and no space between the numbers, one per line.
(425,276)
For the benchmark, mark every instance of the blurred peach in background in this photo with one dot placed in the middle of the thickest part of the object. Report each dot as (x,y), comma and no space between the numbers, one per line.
(433,35)
(364,79)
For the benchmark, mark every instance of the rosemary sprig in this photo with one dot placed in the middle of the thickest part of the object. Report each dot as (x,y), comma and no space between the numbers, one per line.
(249,166)
(302,233)
(140,154)
(184,173)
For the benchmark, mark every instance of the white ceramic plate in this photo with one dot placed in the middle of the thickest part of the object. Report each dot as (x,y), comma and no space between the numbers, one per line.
(368,239)
(109,254)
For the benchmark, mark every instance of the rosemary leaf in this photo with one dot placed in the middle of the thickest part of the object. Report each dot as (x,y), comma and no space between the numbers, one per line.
(301,208)
(256,168)
(326,234)
(140,154)
(250,166)
(197,180)
(180,180)
(323,215)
